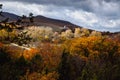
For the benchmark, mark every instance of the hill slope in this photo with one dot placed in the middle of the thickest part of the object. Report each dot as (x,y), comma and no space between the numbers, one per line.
(39,21)
(12,17)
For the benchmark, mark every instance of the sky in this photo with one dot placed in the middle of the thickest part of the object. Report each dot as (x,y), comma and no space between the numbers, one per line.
(101,15)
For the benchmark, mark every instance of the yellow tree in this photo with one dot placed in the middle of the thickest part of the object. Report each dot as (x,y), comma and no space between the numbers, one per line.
(95,33)
(67,34)
(77,32)
(85,32)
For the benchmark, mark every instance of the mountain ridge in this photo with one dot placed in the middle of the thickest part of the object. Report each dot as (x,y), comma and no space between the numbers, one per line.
(39,20)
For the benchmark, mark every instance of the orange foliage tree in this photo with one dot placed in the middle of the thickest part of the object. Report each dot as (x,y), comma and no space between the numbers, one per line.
(51,55)
(1,45)
(29,54)
(88,46)
(101,56)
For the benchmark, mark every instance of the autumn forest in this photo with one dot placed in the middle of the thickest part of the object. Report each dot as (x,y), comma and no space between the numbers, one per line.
(37,52)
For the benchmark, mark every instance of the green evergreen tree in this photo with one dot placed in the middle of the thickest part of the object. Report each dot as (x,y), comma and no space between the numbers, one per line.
(64,68)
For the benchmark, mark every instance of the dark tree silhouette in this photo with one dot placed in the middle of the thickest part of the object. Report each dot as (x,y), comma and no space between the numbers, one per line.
(1,11)
(1,6)
(31,17)
(64,69)
(22,38)
(24,17)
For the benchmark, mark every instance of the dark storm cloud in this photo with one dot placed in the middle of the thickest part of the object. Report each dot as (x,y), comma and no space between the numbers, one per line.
(75,3)
(68,3)
(87,5)
(61,2)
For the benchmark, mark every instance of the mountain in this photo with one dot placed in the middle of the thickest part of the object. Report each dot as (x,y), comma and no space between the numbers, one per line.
(39,21)
(12,17)
(44,21)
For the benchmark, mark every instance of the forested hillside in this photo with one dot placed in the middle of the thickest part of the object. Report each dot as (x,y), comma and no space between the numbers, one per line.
(38,52)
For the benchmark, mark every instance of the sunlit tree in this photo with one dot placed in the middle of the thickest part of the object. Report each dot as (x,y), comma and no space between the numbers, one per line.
(95,33)
(85,32)
(77,32)
(39,33)
(67,34)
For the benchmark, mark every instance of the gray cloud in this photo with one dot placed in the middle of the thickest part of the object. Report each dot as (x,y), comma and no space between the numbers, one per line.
(94,14)
(100,7)
(75,3)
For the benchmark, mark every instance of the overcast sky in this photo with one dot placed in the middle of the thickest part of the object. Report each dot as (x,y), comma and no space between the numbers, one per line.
(102,15)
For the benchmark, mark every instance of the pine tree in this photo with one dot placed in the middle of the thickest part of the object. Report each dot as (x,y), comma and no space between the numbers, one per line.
(64,69)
